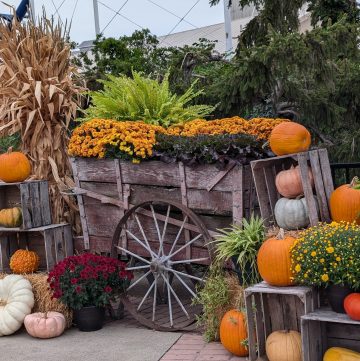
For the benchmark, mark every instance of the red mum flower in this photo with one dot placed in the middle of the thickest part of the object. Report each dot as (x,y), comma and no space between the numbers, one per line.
(74,281)
(78,289)
(108,289)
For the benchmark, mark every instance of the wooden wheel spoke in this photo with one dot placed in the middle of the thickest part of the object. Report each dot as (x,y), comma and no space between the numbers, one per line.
(187,244)
(184,274)
(146,294)
(154,300)
(156,226)
(138,280)
(133,254)
(137,268)
(169,302)
(175,295)
(142,231)
(161,250)
(190,260)
(152,253)
(178,234)
(185,285)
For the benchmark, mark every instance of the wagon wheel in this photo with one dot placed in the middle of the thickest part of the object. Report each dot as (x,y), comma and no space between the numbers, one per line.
(169,249)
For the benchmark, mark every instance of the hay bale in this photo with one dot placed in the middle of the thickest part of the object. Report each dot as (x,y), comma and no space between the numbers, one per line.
(274,231)
(42,295)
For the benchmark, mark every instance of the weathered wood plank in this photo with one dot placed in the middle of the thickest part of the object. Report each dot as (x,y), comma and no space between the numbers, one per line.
(26,206)
(84,225)
(273,195)
(45,209)
(237,198)
(260,331)
(35,204)
(319,186)
(251,327)
(308,192)
(156,173)
(326,172)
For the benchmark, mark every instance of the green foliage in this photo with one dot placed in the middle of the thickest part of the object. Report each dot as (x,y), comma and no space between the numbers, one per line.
(209,149)
(142,98)
(214,298)
(8,141)
(242,242)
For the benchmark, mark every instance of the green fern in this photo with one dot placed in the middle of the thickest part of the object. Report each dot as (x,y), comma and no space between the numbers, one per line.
(142,98)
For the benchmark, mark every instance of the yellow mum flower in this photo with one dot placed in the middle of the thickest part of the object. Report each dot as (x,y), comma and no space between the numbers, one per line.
(325,278)
(313,253)
(330,250)
(297,268)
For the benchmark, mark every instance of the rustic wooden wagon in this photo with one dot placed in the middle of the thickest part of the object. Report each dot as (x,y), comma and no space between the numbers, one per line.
(163,218)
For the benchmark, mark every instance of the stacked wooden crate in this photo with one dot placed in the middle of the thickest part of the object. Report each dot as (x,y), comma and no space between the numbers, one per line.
(52,242)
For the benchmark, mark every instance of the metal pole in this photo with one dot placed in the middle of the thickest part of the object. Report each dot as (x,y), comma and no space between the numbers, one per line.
(228,32)
(32,10)
(96,17)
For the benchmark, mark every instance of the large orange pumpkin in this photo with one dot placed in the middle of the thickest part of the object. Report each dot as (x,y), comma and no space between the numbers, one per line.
(288,182)
(289,138)
(345,202)
(14,167)
(233,332)
(352,306)
(274,261)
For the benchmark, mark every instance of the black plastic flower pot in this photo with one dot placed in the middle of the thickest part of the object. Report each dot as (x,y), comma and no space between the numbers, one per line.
(89,318)
(336,295)
(243,274)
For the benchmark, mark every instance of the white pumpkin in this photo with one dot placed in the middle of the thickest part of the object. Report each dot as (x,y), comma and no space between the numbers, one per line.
(16,301)
(291,213)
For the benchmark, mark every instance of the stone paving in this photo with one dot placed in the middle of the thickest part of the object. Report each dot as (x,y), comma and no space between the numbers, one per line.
(192,347)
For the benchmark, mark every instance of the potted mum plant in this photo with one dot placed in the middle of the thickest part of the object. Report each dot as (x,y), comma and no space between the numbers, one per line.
(327,256)
(86,284)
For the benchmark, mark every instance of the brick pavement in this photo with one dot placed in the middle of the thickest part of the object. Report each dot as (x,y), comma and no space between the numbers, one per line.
(192,347)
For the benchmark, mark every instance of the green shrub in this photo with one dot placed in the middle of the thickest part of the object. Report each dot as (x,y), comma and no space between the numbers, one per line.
(146,99)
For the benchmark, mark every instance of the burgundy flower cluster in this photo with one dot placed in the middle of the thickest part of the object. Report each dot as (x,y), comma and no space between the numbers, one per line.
(88,280)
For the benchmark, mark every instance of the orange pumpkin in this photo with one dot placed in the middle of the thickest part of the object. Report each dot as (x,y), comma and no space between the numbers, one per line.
(345,202)
(24,261)
(274,260)
(289,138)
(288,182)
(14,167)
(233,332)
(352,306)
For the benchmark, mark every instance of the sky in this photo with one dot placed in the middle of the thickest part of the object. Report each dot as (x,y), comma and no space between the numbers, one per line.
(135,14)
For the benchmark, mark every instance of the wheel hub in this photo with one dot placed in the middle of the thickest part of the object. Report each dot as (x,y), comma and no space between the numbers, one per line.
(158,265)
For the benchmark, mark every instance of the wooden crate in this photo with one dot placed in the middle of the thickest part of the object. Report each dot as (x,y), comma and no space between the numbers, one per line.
(106,188)
(264,173)
(33,199)
(271,309)
(53,243)
(323,329)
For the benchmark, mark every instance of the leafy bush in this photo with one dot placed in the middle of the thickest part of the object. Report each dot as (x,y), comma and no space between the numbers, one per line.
(208,149)
(142,98)
(8,141)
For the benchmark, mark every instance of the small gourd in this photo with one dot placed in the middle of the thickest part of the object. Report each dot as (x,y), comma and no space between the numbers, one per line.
(11,217)
(292,214)
(288,182)
(284,346)
(45,325)
(24,261)
(341,354)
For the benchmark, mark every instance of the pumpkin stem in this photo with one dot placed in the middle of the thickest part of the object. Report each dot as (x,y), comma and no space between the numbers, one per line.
(355,183)
(2,302)
(281,234)
(10,149)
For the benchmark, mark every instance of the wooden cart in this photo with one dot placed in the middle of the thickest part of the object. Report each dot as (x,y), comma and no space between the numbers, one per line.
(162,217)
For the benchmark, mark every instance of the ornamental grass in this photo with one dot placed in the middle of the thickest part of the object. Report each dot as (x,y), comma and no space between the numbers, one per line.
(39,97)
(327,254)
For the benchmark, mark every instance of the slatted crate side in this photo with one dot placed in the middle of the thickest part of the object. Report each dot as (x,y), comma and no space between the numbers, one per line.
(265,171)
(51,243)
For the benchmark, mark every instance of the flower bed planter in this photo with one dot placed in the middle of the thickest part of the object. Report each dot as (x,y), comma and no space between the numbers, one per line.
(106,188)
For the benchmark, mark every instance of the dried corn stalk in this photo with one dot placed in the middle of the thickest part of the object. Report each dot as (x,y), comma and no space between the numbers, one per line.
(39,98)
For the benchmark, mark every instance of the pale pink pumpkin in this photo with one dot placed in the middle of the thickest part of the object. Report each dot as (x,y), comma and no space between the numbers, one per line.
(45,325)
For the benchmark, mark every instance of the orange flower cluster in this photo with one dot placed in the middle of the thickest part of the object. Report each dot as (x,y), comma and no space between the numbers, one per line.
(258,127)
(135,139)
